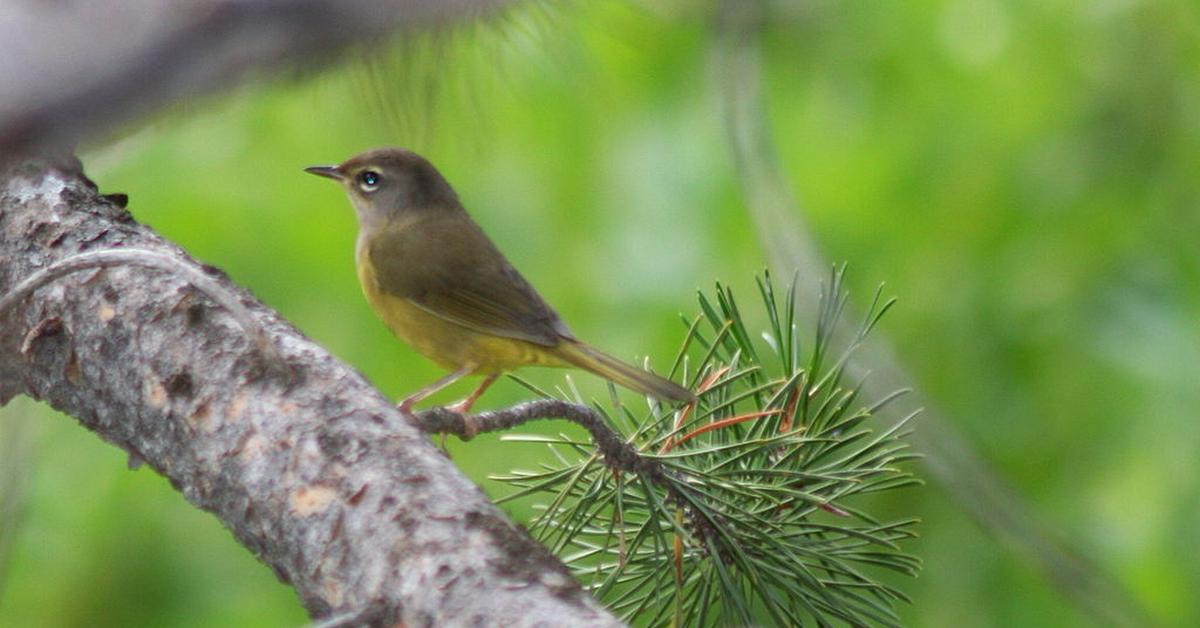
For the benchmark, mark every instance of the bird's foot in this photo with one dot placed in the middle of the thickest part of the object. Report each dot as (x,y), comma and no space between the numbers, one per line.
(462,406)
(463,409)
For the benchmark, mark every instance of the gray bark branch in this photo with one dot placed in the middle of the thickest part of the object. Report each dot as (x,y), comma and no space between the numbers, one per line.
(313,470)
(110,258)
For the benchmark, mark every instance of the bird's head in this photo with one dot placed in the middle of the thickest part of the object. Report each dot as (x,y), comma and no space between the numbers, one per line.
(388,184)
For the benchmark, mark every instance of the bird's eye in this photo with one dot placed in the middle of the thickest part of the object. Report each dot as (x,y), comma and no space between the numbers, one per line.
(369,180)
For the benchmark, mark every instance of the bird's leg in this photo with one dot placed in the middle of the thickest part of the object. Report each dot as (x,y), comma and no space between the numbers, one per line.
(464,406)
(406,406)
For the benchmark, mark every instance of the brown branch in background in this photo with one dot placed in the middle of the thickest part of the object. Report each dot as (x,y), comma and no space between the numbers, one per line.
(320,476)
(76,70)
(969,480)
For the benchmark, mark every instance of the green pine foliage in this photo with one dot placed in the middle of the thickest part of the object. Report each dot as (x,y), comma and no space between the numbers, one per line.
(746,513)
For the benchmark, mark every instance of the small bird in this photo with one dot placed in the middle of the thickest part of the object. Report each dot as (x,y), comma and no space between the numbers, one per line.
(442,286)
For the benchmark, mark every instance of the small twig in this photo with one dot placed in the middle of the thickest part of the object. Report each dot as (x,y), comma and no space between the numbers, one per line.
(151,259)
(618,453)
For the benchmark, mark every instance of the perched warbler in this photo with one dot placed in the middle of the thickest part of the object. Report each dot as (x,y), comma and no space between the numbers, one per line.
(442,286)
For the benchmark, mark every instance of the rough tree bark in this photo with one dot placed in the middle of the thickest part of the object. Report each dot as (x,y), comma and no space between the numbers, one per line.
(310,467)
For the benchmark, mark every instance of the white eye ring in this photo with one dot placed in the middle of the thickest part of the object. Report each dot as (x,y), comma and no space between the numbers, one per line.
(369,180)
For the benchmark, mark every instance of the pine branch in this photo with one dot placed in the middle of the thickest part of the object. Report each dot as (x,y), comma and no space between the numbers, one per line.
(724,504)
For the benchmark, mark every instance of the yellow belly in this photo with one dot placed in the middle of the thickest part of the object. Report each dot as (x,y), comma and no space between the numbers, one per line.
(450,345)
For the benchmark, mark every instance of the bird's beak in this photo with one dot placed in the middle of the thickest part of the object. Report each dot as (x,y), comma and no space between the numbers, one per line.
(331,172)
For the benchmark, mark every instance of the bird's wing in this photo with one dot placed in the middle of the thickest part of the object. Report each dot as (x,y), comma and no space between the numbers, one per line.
(448,267)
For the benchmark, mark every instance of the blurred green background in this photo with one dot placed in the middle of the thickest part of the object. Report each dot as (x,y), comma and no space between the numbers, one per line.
(1022,174)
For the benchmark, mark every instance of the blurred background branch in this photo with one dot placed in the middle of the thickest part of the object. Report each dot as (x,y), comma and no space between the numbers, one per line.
(953,464)
(75,71)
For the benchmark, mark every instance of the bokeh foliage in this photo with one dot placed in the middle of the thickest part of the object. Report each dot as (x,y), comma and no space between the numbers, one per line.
(1022,174)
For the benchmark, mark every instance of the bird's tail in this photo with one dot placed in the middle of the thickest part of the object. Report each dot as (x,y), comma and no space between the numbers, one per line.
(591,359)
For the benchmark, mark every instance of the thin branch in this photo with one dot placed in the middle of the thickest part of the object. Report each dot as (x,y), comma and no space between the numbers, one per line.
(618,453)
